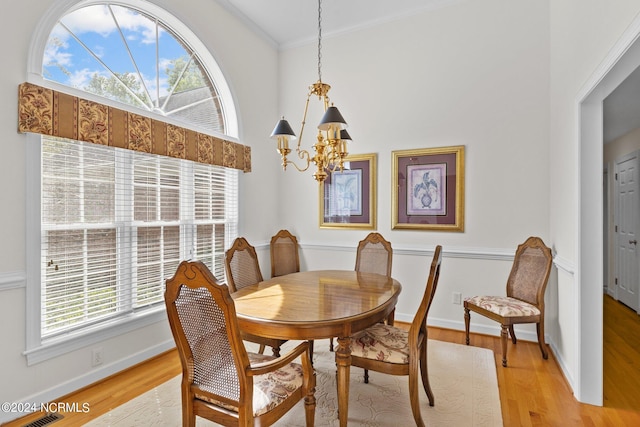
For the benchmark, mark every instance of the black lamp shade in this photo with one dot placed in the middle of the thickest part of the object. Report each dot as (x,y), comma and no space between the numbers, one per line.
(332,118)
(283,129)
(344,135)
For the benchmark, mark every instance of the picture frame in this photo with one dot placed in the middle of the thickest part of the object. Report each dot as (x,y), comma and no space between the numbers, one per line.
(428,189)
(348,198)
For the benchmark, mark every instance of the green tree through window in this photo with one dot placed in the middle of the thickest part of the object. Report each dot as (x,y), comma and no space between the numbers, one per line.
(125,55)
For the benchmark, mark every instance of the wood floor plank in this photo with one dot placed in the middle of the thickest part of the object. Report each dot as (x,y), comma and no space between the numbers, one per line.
(533,391)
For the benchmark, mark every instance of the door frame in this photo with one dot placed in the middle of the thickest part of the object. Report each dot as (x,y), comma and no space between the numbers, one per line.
(623,58)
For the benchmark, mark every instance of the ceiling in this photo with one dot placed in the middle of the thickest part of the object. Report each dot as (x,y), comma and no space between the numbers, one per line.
(290,23)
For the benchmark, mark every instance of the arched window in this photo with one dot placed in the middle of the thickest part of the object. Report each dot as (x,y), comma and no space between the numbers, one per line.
(107,226)
(130,56)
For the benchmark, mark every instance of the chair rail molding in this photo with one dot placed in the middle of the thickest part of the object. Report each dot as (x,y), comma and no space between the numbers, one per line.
(450,252)
(563,264)
(12,280)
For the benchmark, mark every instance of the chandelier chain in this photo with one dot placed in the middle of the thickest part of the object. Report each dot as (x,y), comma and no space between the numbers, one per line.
(319,40)
(330,150)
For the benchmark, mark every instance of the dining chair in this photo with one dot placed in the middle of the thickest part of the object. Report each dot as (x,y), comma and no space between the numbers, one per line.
(374,255)
(243,269)
(285,259)
(524,302)
(221,381)
(284,254)
(397,351)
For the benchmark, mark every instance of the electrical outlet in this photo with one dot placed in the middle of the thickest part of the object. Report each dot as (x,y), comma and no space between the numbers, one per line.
(96,356)
(457,298)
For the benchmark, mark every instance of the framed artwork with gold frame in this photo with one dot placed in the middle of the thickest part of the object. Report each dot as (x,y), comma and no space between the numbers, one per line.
(348,197)
(428,189)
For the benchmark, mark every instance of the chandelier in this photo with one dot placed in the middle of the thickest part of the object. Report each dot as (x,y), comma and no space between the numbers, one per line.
(330,148)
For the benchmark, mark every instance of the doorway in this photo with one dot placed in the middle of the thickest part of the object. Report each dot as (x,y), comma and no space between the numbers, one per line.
(617,66)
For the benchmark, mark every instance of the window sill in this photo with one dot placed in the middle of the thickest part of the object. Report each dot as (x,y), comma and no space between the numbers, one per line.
(55,347)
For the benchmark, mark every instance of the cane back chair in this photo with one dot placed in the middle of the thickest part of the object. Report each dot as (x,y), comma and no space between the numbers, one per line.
(243,269)
(284,254)
(524,302)
(220,380)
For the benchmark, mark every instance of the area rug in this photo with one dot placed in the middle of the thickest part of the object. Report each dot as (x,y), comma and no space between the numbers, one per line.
(463,380)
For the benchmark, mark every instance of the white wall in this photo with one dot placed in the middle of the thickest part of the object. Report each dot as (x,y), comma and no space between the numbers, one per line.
(475,73)
(250,65)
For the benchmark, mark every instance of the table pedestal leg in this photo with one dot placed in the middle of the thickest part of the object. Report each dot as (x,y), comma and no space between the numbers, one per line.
(343,365)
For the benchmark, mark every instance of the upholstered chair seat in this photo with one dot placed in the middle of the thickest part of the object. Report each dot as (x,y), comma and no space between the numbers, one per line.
(269,390)
(504,306)
(382,342)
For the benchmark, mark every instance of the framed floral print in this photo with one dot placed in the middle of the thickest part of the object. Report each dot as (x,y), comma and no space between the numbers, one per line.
(348,197)
(428,189)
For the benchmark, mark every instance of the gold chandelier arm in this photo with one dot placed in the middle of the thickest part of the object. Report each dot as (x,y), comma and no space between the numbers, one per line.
(303,155)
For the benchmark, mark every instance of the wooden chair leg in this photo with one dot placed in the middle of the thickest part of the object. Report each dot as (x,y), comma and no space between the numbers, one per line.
(504,334)
(276,350)
(261,349)
(425,375)
(311,351)
(467,320)
(513,335)
(188,415)
(543,345)
(413,393)
(310,408)
(366,376)
(391,317)
(330,344)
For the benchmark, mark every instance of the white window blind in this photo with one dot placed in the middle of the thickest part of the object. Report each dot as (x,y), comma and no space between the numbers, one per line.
(116,224)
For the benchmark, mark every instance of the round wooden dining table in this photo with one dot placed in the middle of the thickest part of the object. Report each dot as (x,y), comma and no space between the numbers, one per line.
(312,305)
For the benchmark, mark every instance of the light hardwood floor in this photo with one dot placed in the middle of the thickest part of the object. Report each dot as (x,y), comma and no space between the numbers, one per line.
(533,391)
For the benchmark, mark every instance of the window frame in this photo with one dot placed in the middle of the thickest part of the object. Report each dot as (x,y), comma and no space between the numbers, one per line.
(38,350)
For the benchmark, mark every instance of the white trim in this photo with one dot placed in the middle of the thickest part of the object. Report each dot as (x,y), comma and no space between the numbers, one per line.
(464,253)
(305,39)
(57,347)
(231,8)
(77,383)
(33,237)
(621,60)
(565,265)
(12,280)
(491,254)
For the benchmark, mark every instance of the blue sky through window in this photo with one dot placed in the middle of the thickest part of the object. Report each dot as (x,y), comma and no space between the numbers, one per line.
(102,48)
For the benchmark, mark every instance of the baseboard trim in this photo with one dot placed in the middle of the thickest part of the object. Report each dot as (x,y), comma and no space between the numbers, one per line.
(89,378)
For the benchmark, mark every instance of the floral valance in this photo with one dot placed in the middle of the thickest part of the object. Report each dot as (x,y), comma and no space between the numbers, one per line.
(49,112)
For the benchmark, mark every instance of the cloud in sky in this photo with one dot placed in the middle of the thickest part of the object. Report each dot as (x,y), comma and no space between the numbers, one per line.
(99,19)
(97,31)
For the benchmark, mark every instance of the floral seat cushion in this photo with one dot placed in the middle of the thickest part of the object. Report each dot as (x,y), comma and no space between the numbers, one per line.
(269,390)
(504,306)
(382,342)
